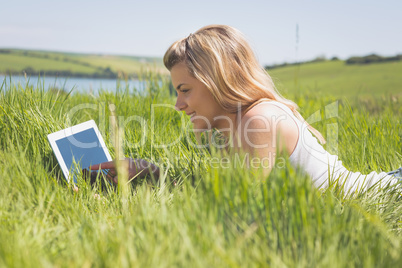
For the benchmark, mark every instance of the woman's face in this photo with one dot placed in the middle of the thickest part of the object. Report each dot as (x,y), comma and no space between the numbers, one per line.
(194,98)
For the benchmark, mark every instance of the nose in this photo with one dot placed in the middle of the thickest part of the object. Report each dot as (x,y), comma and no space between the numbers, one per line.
(180,104)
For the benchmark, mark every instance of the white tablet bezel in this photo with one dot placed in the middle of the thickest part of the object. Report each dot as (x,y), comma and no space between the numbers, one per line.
(53,137)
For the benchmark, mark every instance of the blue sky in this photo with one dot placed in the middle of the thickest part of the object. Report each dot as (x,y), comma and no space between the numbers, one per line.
(147,28)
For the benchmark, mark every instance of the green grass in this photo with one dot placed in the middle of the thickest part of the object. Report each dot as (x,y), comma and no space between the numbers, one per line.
(379,80)
(121,63)
(213,217)
(18,60)
(341,80)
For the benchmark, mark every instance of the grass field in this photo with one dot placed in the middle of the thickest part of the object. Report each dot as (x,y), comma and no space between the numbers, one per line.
(86,64)
(341,80)
(195,215)
(21,62)
(352,82)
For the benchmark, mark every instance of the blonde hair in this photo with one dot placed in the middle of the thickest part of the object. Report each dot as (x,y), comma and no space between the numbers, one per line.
(220,57)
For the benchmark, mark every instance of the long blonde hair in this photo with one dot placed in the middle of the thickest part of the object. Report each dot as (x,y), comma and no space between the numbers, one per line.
(220,57)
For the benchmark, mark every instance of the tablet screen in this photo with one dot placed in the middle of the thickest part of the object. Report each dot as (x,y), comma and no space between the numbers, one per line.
(78,147)
(83,148)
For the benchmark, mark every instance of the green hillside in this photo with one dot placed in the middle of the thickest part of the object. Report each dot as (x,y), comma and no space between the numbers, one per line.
(74,64)
(341,80)
(334,78)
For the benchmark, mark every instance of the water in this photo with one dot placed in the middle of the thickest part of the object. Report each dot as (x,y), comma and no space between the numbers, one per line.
(82,85)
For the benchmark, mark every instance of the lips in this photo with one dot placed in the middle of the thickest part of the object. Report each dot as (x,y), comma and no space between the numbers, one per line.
(191,115)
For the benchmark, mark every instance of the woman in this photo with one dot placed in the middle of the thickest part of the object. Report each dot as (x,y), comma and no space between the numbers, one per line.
(221,85)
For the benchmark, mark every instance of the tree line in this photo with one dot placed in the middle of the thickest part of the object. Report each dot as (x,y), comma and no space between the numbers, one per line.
(372,58)
(104,73)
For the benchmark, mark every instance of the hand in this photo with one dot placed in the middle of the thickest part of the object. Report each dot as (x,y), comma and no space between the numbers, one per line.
(90,177)
(135,167)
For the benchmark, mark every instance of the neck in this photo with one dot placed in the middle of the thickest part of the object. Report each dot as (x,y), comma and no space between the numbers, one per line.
(227,124)
(230,123)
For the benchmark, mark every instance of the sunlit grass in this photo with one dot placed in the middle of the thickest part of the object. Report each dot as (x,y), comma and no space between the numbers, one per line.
(341,80)
(84,64)
(195,215)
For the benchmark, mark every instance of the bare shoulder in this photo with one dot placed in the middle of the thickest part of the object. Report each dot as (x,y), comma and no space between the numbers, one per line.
(267,125)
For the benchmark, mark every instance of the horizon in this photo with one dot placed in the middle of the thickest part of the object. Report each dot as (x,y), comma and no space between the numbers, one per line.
(279,32)
(160,58)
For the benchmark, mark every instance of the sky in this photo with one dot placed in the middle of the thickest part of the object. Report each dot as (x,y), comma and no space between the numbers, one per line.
(279,31)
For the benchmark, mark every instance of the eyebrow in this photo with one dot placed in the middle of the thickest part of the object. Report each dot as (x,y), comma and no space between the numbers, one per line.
(179,86)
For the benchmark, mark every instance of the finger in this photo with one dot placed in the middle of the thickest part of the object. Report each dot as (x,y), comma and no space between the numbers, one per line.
(104,165)
(109,176)
(110,172)
(112,178)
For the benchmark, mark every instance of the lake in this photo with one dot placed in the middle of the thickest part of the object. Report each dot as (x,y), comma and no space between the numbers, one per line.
(77,84)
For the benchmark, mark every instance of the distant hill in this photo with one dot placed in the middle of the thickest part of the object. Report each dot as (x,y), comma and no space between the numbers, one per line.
(51,63)
(339,79)
(361,60)
(351,78)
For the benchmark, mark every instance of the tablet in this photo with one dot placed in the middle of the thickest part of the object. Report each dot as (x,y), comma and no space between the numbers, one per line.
(78,147)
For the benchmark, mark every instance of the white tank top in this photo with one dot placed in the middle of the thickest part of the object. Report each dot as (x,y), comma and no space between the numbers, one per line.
(324,167)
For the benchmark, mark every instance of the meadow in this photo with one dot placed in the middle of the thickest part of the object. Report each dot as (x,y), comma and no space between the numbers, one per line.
(195,214)
(18,61)
(330,77)
(368,81)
